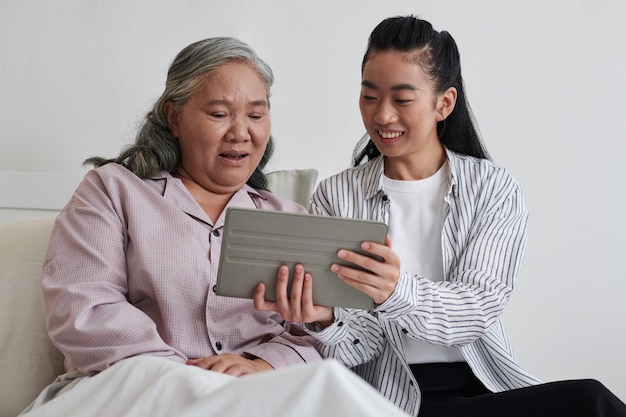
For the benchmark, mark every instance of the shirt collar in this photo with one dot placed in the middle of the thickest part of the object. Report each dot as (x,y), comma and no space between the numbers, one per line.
(374,170)
(453,161)
(175,190)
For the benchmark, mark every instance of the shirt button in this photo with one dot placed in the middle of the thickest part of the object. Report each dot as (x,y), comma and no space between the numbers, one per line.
(356,342)
(218,345)
(405,331)
(216,233)
(215,288)
(340,324)
(385,198)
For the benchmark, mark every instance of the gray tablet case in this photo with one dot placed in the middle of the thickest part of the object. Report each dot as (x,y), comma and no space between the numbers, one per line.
(256,242)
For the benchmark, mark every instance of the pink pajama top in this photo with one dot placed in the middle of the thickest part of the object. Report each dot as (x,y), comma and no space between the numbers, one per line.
(131,268)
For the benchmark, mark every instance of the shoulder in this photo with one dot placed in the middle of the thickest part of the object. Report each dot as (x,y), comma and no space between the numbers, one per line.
(114,175)
(471,171)
(350,193)
(364,176)
(267,200)
(112,184)
(108,174)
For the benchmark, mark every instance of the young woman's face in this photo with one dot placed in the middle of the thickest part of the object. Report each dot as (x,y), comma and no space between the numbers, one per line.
(398,107)
(223,128)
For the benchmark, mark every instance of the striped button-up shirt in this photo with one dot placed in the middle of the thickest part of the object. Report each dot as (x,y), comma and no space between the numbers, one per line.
(483,239)
(131,268)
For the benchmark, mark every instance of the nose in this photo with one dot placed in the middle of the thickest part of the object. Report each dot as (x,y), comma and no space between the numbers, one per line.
(239,130)
(385,113)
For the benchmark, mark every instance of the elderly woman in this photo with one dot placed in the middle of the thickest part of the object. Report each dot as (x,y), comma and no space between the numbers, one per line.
(132,261)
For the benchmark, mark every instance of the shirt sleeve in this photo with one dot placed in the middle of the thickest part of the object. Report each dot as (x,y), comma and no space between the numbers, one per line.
(293,347)
(481,265)
(480,277)
(84,283)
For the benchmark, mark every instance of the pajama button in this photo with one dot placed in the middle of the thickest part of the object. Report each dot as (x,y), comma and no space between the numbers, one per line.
(218,345)
(216,233)
(215,288)
(356,342)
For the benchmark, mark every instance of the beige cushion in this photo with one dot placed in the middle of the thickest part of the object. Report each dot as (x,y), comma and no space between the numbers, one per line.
(294,184)
(28,360)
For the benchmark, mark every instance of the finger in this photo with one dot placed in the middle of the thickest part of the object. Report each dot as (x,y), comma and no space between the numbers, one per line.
(232,369)
(282,282)
(355,275)
(221,363)
(380,265)
(362,261)
(295,302)
(308,309)
(260,303)
(204,363)
(377,287)
(282,297)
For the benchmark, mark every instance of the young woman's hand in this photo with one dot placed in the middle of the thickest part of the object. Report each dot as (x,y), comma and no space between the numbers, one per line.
(380,278)
(297,306)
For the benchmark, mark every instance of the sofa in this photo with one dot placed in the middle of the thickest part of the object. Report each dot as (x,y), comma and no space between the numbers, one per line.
(29,360)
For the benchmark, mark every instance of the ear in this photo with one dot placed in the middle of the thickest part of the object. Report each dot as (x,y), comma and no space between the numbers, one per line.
(446,102)
(172,118)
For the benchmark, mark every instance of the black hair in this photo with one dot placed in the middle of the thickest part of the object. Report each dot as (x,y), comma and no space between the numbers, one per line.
(438,55)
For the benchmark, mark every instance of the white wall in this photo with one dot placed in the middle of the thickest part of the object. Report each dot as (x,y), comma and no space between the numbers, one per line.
(545,79)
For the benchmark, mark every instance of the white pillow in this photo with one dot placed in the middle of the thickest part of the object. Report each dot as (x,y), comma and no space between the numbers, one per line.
(28,360)
(294,184)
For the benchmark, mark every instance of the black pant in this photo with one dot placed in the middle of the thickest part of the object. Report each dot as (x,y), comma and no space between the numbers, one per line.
(451,389)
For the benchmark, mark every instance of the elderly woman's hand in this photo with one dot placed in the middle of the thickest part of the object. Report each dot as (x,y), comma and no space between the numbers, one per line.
(231,364)
(297,306)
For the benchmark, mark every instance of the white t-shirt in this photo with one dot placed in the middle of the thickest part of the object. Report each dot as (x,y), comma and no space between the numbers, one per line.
(415,225)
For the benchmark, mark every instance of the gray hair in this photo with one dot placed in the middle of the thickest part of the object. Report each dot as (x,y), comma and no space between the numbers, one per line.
(155,148)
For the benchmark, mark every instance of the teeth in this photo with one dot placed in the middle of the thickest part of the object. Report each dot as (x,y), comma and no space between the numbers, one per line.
(390,135)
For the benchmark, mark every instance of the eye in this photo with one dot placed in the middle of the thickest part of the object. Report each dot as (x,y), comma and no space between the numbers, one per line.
(403,101)
(256,116)
(368,98)
(218,115)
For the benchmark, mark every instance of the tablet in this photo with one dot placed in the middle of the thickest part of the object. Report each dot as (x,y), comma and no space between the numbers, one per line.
(256,242)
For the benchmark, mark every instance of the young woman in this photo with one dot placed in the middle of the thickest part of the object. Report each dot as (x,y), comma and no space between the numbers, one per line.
(434,345)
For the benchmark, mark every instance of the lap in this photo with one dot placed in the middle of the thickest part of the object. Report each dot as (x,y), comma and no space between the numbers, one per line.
(584,398)
(153,386)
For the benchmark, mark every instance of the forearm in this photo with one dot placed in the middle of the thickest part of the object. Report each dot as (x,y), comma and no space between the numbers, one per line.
(286,350)
(480,274)
(85,287)
(355,337)
(94,338)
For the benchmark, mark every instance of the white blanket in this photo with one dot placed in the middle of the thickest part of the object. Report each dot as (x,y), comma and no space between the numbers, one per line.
(154,387)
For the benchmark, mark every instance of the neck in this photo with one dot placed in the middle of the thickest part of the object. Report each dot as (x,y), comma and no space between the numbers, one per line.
(414,167)
(211,202)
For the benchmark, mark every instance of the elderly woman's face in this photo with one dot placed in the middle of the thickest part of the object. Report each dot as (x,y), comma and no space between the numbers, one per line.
(223,128)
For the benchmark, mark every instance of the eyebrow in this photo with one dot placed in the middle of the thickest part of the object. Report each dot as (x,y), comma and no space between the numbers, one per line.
(398,87)
(255,103)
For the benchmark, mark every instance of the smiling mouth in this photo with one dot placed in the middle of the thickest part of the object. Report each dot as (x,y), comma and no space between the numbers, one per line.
(389,135)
